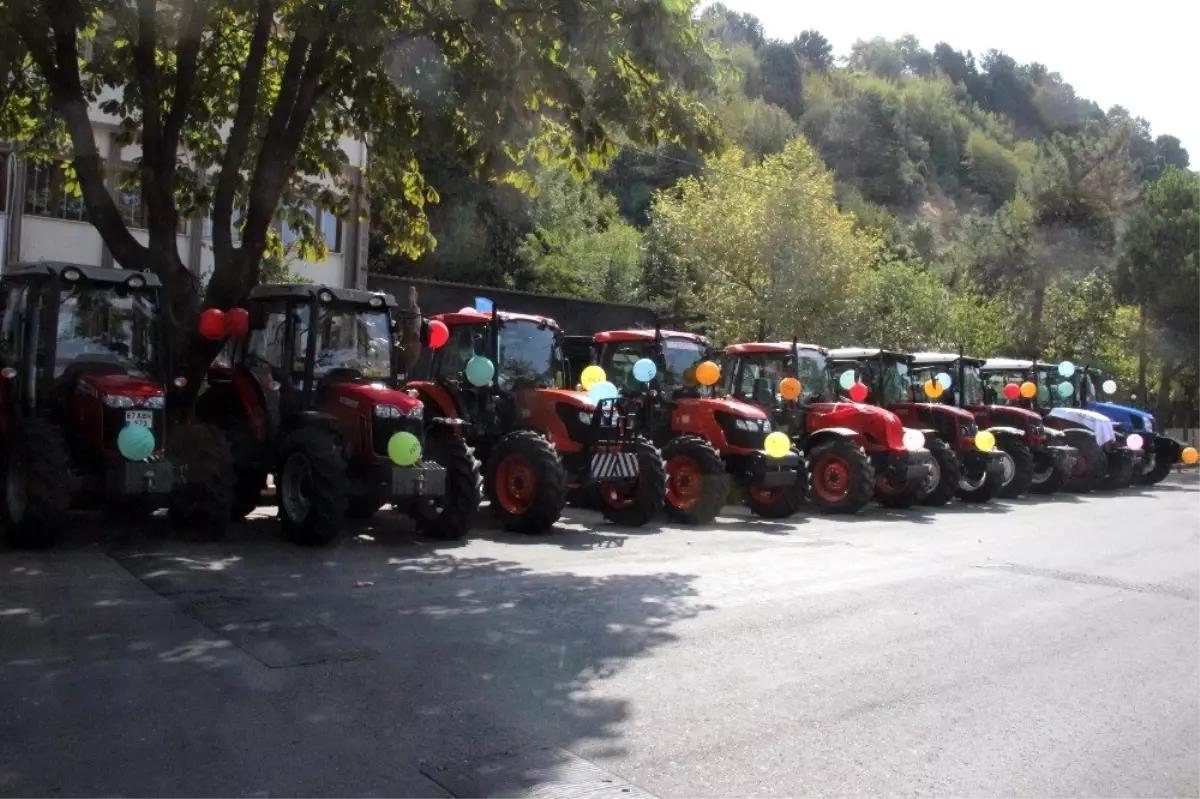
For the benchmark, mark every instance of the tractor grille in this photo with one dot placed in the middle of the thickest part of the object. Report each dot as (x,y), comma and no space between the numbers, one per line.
(738,436)
(114,420)
(382,429)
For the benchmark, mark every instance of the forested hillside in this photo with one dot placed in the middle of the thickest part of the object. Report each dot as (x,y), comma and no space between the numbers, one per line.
(908,197)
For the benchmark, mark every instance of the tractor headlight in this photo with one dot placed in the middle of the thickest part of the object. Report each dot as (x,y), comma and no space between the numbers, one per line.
(118,401)
(392,412)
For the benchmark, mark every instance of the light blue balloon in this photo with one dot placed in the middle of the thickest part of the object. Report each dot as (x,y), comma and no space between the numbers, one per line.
(135,442)
(644,370)
(1066,369)
(1065,390)
(847,379)
(603,390)
(480,370)
(944,379)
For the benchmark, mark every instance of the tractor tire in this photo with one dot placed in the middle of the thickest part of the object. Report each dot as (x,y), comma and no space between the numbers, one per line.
(782,502)
(203,503)
(1158,473)
(1022,468)
(1091,466)
(450,516)
(697,485)
(526,483)
(36,487)
(312,486)
(1053,481)
(987,490)
(843,480)
(1121,476)
(948,472)
(637,505)
(890,496)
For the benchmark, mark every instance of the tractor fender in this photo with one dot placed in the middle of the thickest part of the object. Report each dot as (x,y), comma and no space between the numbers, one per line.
(1168,447)
(1007,432)
(829,433)
(454,425)
(319,417)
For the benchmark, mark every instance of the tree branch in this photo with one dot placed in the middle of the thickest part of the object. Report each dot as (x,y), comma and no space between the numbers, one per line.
(186,55)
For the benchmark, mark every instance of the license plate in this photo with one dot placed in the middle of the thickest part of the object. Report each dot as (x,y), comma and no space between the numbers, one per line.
(140,418)
(613,465)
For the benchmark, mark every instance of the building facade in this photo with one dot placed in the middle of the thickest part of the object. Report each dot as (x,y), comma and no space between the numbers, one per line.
(40,220)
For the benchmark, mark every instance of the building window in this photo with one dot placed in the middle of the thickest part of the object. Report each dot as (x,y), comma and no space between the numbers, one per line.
(327,223)
(46,194)
(129,197)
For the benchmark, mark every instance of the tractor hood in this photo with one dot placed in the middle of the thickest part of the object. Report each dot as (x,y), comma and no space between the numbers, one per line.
(366,395)
(121,385)
(725,405)
(553,396)
(1133,419)
(948,410)
(1026,416)
(879,423)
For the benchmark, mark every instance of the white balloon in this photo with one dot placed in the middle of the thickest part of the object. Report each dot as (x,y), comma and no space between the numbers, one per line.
(1135,442)
(913,439)
(1109,386)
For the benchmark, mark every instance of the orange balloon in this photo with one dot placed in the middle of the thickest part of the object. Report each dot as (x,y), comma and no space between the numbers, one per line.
(933,389)
(707,373)
(789,388)
(1190,456)
(1028,390)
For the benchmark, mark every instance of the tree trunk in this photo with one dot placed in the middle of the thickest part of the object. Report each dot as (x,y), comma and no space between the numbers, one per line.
(1143,356)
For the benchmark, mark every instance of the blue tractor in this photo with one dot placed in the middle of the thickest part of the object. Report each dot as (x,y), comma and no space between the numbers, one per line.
(1161,451)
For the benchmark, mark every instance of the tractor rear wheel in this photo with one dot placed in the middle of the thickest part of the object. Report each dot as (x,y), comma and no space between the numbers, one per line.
(1091,466)
(202,503)
(947,472)
(1120,474)
(449,517)
(526,482)
(312,486)
(635,503)
(782,501)
(843,479)
(1022,463)
(697,484)
(36,486)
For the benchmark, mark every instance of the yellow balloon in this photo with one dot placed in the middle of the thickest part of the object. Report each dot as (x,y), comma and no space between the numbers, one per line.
(790,388)
(1190,455)
(777,445)
(590,376)
(707,373)
(985,440)
(1028,390)
(933,389)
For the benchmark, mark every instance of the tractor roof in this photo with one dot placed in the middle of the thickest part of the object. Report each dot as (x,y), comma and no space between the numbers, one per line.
(606,336)
(861,353)
(468,316)
(1006,364)
(307,292)
(941,358)
(769,348)
(32,270)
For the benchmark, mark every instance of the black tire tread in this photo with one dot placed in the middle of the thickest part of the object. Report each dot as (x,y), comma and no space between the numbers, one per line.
(203,505)
(789,502)
(715,490)
(862,484)
(41,446)
(652,489)
(1085,442)
(330,485)
(950,470)
(1051,485)
(551,477)
(1022,465)
(464,487)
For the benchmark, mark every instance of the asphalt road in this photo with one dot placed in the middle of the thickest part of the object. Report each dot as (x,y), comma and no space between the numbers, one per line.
(1028,648)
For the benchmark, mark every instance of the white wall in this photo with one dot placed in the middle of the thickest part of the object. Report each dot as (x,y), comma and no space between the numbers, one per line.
(45,239)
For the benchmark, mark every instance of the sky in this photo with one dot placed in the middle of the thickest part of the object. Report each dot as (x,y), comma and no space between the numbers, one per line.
(1143,56)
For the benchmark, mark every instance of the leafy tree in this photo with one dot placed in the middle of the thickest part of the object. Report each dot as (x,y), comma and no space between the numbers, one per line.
(815,50)
(261,93)
(994,170)
(755,125)
(781,78)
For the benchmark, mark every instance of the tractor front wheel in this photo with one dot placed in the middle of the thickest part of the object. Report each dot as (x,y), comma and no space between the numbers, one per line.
(782,501)
(1022,467)
(947,472)
(36,487)
(526,482)
(1091,466)
(312,487)
(1047,477)
(449,517)
(1157,473)
(843,479)
(697,484)
(634,503)
(1120,474)
(202,502)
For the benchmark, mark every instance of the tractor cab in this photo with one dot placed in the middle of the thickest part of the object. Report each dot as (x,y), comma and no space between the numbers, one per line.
(852,449)
(889,381)
(503,376)
(83,378)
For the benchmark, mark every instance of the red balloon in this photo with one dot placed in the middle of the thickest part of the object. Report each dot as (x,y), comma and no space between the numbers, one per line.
(858,392)
(439,334)
(1012,391)
(212,324)
(237,322)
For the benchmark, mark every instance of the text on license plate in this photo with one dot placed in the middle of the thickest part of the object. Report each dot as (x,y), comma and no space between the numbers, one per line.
(143,418)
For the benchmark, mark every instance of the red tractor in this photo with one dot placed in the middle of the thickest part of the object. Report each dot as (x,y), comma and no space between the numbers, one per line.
(83,376)
(705,439)
(503,379)
(1037,459)
(974,471)
(312,396)
(852,449)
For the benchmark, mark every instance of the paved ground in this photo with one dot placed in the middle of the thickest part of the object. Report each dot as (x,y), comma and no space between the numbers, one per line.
(1029,648)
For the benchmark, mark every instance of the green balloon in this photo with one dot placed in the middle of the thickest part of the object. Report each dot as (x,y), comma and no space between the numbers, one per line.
(847,379)
(479,370)
(1065,390)
(404,449)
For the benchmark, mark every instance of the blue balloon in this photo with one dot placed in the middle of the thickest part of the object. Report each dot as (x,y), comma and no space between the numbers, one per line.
(847,379)
(480,370)
(645,370)
(1066,368)
(135,442)
(944,379)
(603,390)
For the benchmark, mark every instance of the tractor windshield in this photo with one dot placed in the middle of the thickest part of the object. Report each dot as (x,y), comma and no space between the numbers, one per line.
(1057,391)
(352,338)
(758,378)
(897,382)
(969,393)
(107,324)
(529,357)
(680,356)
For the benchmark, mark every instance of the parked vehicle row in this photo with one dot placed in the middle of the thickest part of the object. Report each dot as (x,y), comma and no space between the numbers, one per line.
(320,389)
